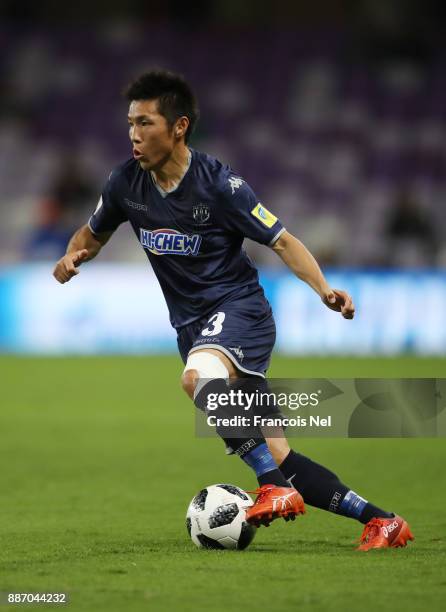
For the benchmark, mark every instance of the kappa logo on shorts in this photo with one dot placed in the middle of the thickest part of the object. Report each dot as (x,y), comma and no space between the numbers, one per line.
(169,242)
(237,350)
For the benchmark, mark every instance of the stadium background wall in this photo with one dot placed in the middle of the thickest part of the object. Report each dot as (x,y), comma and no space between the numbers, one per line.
(114,308)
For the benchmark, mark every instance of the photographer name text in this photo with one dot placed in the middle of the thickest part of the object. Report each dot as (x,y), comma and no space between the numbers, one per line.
(259,421)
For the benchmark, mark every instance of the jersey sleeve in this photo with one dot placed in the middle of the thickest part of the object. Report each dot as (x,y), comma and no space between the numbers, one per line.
(108,215)
(241,212)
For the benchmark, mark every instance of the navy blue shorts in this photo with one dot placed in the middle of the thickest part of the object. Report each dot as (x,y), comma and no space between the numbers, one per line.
(242,329)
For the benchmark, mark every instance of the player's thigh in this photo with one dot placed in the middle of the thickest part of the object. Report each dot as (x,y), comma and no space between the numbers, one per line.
(232,370)
(212,364)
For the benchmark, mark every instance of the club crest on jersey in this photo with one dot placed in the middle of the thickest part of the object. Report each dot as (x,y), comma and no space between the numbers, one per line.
(201,213)
(167,241)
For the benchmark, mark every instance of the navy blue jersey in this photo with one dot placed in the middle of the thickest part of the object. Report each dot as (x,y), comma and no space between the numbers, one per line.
(192,235)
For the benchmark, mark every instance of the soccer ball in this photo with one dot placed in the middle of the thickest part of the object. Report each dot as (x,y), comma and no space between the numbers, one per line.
(216,518)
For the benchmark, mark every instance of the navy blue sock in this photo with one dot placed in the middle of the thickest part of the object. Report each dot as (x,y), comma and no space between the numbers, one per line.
(370,511)
(322,488)
(261,461)
(355,506)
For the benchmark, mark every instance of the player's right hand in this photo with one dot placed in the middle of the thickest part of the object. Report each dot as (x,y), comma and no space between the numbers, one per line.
(67,266)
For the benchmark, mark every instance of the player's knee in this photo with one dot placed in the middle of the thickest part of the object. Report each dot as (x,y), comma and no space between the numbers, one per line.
(189,381)
(202,367)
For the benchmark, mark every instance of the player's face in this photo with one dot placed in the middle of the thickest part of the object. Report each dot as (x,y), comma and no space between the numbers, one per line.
(149,133)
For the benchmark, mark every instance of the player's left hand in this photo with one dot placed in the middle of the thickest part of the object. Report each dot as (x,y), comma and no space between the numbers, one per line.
(340,301)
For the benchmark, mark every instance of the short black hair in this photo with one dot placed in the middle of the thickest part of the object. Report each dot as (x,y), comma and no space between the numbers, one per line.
(174,95)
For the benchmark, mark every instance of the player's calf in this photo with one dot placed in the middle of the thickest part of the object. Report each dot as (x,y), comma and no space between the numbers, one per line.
(205,375)
(321,488)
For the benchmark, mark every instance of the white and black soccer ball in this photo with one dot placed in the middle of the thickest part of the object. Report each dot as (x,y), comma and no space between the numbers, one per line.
(216,518)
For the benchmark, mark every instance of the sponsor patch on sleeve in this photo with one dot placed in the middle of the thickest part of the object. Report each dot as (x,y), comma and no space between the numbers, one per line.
(263,215)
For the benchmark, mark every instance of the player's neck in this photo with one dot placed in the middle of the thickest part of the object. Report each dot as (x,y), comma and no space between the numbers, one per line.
(174,169)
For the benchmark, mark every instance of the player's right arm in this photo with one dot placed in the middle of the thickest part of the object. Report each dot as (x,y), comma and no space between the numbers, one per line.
(90,238)
(83,246)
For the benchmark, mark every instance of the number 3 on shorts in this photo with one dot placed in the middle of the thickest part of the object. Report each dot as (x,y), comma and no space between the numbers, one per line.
(215,324)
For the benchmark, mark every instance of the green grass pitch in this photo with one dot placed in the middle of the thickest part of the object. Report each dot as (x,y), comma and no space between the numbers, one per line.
(99,462)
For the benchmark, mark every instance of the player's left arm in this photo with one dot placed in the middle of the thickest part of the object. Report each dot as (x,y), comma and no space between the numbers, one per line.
(302,263)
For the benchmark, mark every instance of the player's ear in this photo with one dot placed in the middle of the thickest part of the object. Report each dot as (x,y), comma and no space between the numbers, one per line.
(181,126)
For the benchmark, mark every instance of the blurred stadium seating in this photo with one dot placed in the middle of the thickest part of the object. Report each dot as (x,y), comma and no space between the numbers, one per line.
(327,140)
(333,112)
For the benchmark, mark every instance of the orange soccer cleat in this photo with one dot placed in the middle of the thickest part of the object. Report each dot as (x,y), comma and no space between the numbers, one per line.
(385,533)
(273,502)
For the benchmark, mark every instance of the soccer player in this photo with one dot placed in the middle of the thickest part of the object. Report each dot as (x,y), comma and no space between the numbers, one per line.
(191,214)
